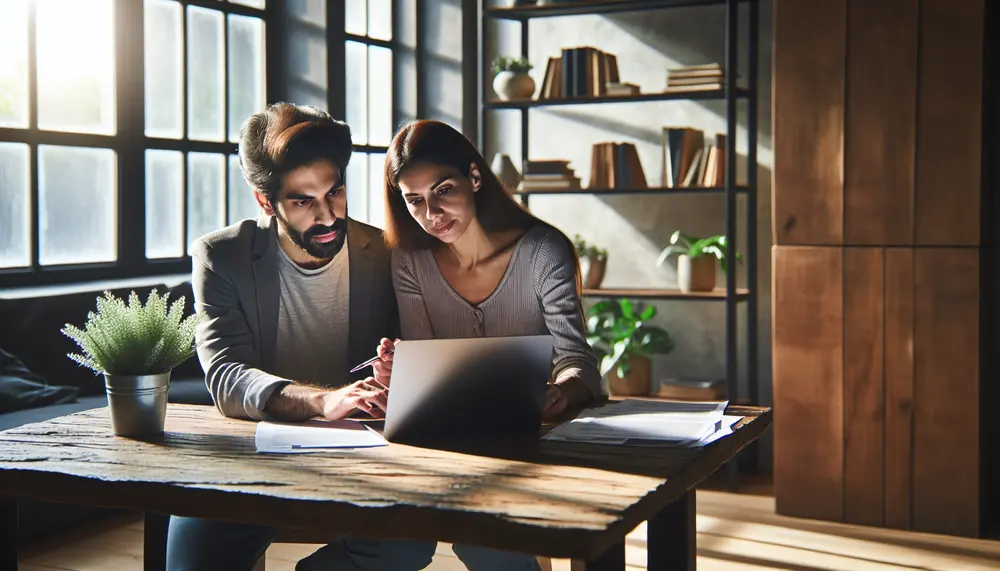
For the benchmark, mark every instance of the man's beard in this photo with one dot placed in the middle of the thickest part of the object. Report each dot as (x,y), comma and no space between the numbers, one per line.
(319,250)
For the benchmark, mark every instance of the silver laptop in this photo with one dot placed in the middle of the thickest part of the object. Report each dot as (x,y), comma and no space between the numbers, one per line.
(448,389)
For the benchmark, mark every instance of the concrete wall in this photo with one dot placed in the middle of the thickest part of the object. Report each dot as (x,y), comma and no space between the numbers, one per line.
(635,228)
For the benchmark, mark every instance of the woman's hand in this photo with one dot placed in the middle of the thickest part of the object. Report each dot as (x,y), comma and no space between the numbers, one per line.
(555,401)
(569,392)
(383,367)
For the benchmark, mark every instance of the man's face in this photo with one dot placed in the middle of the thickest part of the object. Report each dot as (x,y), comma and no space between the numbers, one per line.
(312,209)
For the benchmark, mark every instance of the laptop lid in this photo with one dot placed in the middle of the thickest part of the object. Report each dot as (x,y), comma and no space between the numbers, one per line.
(443,388)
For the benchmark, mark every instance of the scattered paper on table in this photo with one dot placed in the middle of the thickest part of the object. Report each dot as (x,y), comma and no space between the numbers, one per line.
(314,436)
(649,423)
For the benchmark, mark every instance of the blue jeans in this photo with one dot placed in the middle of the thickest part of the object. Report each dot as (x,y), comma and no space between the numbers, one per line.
(202,545)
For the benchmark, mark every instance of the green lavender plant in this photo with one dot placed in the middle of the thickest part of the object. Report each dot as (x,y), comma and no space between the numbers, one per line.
(134,339)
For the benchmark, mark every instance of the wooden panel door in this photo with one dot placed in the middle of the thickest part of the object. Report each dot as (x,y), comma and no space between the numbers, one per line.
(809,40)
(808,381)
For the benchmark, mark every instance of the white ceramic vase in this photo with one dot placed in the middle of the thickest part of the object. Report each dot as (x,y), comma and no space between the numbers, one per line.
(513,85)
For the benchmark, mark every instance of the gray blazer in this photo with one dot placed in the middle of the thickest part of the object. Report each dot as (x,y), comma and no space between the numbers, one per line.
(235,282)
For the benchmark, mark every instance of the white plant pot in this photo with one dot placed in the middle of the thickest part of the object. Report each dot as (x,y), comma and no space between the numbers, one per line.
(513,85)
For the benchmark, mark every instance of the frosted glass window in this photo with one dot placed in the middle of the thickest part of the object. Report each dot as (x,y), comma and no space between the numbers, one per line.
(77,190)
(164,204)
(241,200)
(164,69)
(357,91)
(13,64)
(252,3)
(206,194)
(376,190)
(76,65)
(205,79)
(355,17)
(15,206)
(379,96)
(246,70)
(356,183)
(380,19)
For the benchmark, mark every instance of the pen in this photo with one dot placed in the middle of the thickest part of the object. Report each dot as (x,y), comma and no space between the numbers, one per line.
(370,361)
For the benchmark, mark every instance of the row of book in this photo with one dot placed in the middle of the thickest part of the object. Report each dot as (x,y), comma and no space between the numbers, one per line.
(692,159)
(708,77)
(616,165)
(583,72)
(550,174)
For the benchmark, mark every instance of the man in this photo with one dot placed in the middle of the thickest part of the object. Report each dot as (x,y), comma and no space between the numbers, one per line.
(293,300)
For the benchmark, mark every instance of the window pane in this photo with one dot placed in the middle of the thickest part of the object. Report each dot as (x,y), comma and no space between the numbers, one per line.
(379,96)
(246,70)
(206,207)
(376,191)
(355,17)
(77,192)
(241,201)
(206,64)
(164,204)
(380,19)
(357,185)
(164,69)
(14,64)
(357,91)
(76,66)
(15,206)
(252,3)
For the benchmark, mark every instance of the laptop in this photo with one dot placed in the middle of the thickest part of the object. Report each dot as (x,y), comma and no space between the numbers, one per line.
(447,388)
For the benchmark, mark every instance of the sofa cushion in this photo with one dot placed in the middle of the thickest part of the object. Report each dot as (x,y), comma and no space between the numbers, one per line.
(21,389)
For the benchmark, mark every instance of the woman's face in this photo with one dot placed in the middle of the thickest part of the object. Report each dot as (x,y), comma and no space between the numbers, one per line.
(441,199)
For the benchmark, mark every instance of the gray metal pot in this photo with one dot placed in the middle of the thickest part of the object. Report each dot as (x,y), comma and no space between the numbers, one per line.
(138,404)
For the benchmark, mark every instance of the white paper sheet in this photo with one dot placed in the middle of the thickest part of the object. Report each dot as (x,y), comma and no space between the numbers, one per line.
(314,436)
(651,423)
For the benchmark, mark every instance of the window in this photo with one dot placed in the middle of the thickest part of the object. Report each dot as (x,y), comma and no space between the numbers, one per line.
(369,107)
(119,122)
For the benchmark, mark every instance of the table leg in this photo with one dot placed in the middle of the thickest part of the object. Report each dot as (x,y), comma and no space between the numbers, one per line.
(154,545)
(8,534)
(612,560)
(671,537)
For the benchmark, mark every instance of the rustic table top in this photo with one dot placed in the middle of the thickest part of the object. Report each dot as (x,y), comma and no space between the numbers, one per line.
(558,499)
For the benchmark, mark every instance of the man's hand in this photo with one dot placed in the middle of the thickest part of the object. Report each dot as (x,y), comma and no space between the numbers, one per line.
(383,367)
(369,396)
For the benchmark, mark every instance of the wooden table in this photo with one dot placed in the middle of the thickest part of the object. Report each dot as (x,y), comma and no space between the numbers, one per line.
(556,499)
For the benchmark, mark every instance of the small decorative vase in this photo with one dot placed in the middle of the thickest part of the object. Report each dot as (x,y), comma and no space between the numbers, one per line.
(138,404)
(638,381)
(504,168)
(592,269)
(513,85)
(695,274)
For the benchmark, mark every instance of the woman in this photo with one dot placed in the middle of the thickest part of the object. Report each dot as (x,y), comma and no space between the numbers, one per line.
(469,261)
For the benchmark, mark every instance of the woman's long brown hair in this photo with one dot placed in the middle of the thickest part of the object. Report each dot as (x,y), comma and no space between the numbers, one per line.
(433,142)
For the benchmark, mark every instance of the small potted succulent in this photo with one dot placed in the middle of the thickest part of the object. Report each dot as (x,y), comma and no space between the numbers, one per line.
(696,260)
(512,80)
(135,347)
(593,262)
(621,336)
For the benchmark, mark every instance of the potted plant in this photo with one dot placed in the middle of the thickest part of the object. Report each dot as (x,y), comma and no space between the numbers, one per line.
(620,334)
(696,260)
(593,262)
(512,80)
(135,347)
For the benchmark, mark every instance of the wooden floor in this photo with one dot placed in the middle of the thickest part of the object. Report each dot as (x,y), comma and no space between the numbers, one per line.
(735,533)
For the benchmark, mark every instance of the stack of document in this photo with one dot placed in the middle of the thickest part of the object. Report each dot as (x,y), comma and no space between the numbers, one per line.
(649,423)
(314,436)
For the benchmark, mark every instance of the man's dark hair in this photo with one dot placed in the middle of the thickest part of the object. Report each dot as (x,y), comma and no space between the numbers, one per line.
(285,136)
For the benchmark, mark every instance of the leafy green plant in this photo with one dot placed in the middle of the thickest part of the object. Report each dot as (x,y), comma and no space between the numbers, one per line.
(693,247)
(585,250)
(134,339)
(517,64)
(619,331)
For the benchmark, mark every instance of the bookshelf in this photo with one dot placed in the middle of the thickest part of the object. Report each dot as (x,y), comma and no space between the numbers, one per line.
(730,93)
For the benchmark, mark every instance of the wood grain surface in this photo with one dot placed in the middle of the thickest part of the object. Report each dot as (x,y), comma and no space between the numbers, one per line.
(547,498)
